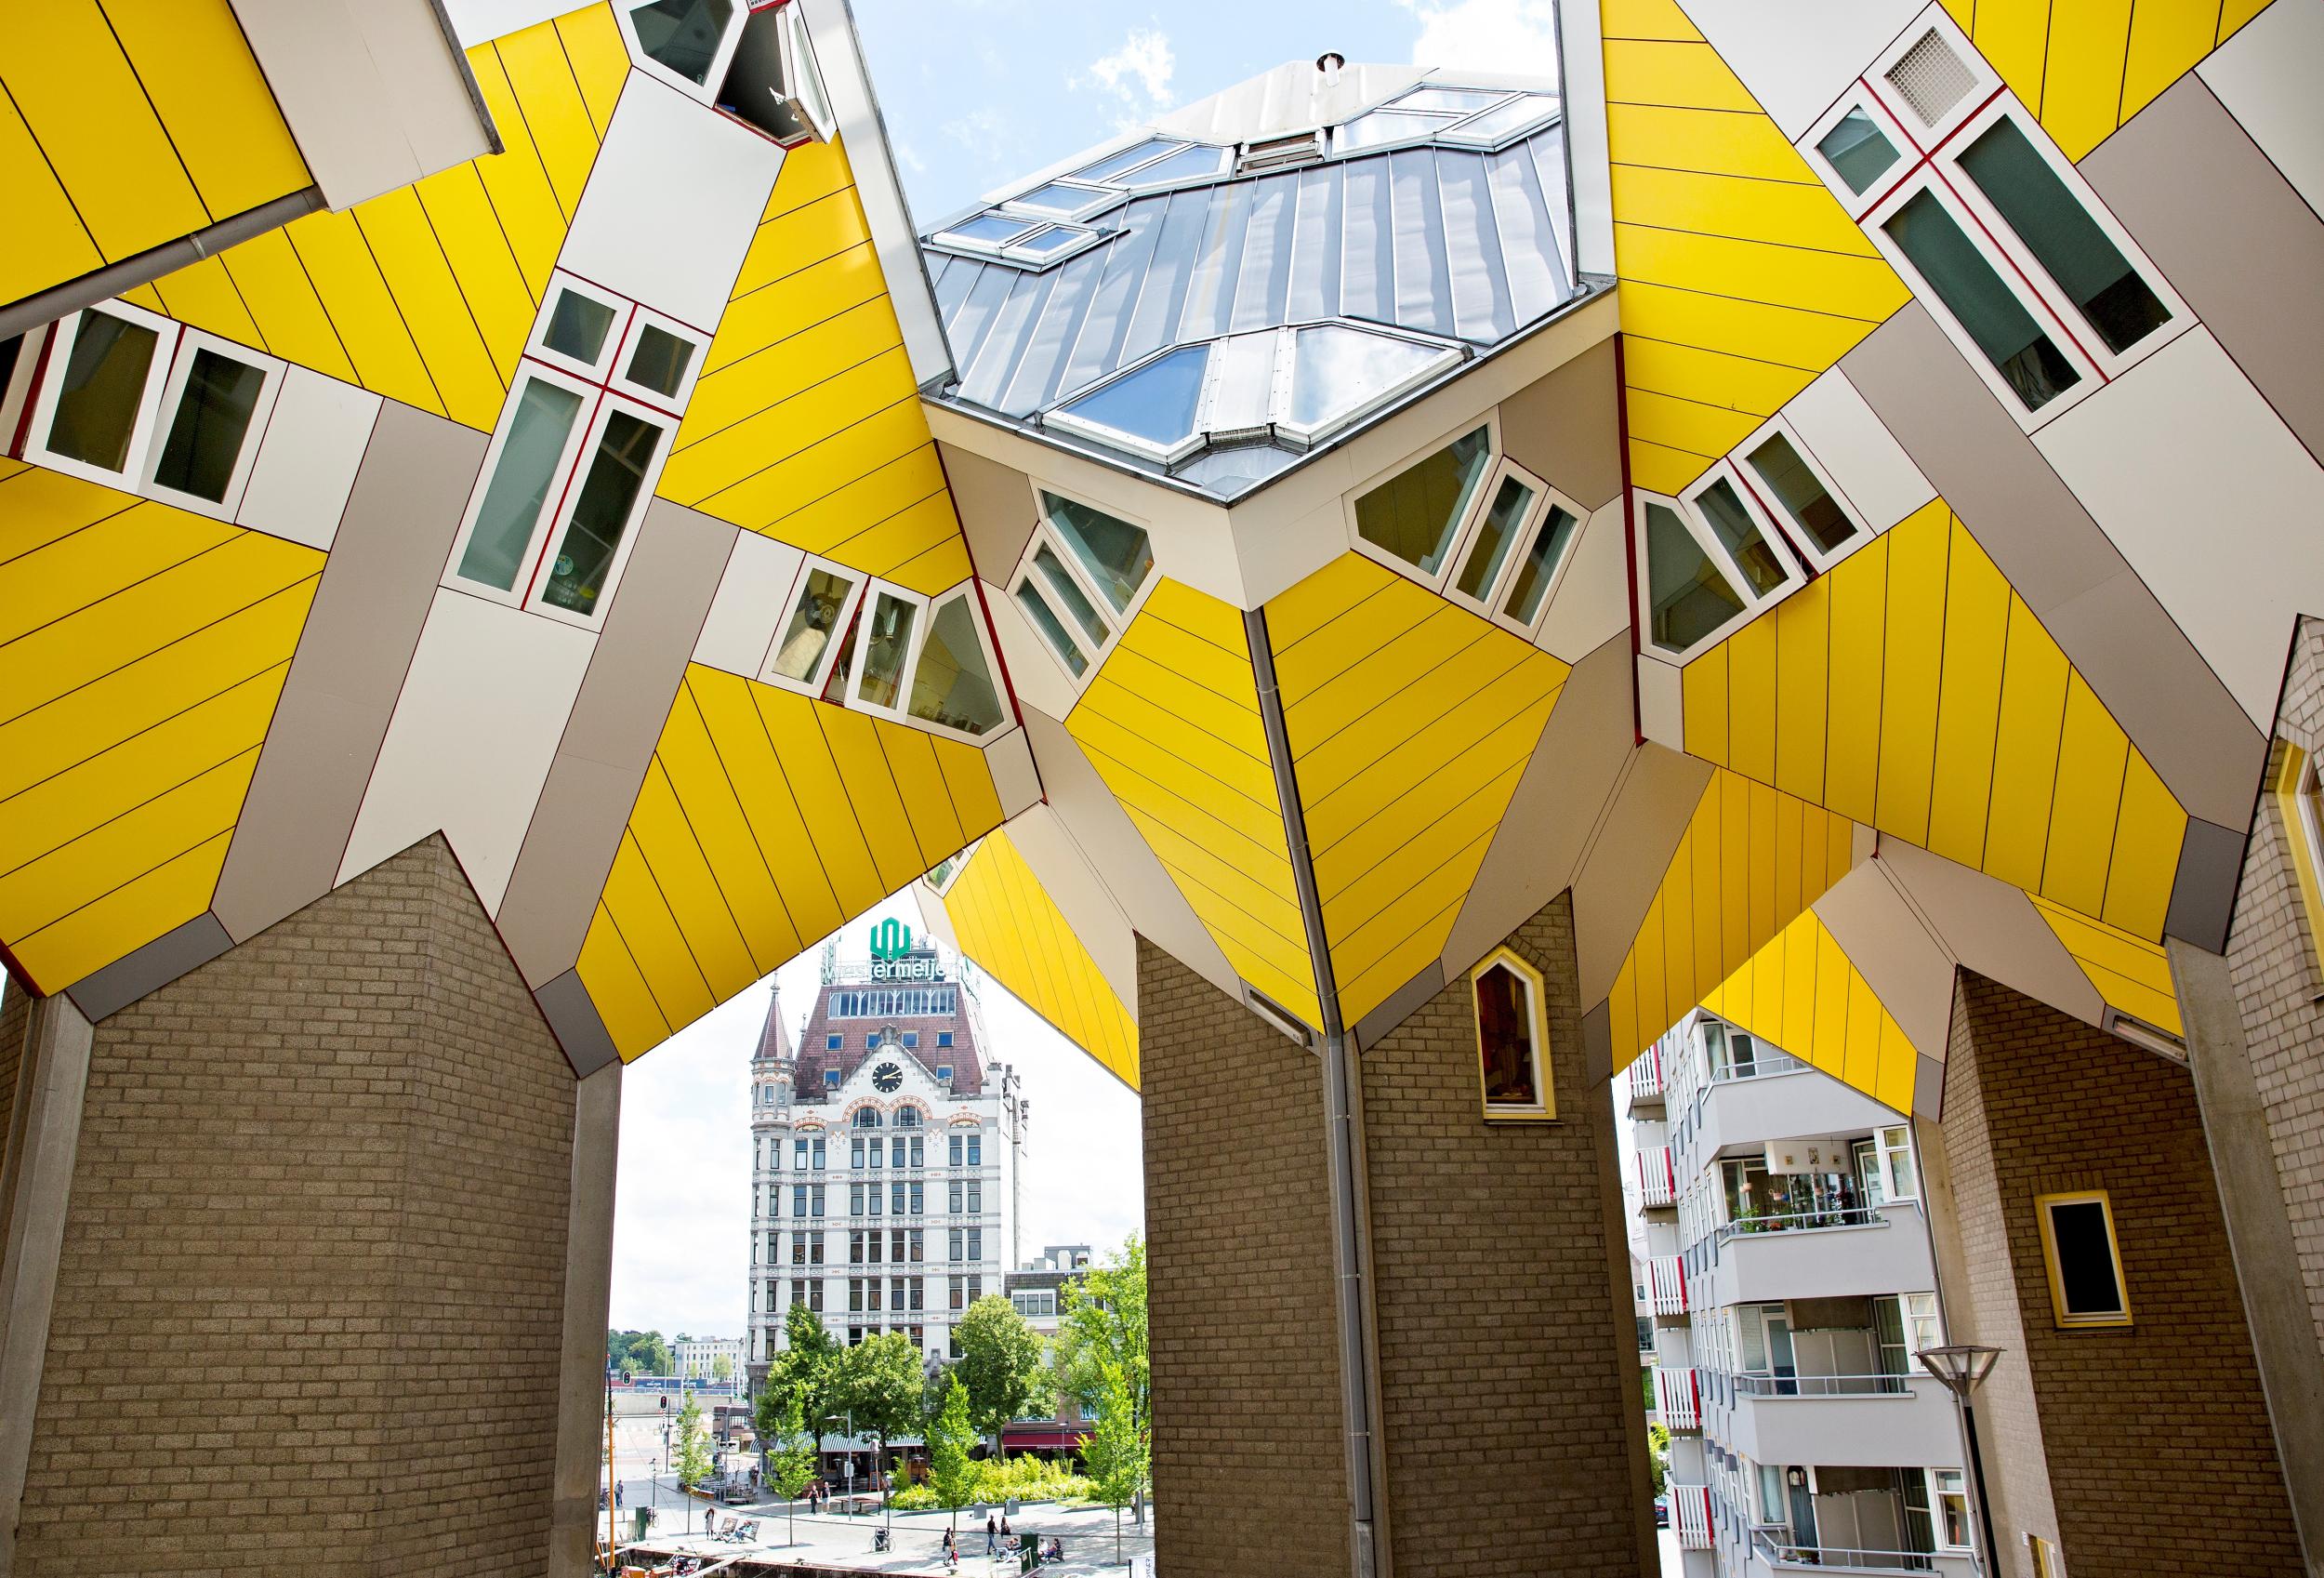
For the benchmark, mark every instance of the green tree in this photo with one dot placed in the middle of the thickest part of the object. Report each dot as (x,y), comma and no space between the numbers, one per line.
(1659,1452)
(1119,1452)
(879,1383)
(1001,1365)
(807,1366)
(788,1459)
(693,1444)
(651,1354)
(952,1473)
(723,1366)
(1102,1320)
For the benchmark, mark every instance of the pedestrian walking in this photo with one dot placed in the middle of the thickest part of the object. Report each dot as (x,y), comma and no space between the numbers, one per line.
(616,1496)
(992,1536)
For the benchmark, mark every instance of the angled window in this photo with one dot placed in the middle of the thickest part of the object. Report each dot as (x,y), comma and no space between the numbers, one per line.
(1737,530)
(2084,1262)
(1510,118)
(687,38)
(824,597)
(1187,164)
(1383,128)
(952,683)
(1081,577)
(216,398)
(1117,163)
(1119,556)
(1149,410)
(1488,546)
(1511,552)
(1413,517)
(1539,565)
(530,451)
(884,646)
(1044,619)
(1065,200)
(1858,149)
(628,449)
(755,64)
(987,233)
(1340,373)
(2021,350)
(1513,1039)
(1783,474)
(1689,596)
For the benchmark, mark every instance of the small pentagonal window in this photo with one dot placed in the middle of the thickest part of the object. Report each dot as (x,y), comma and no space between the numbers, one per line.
(1513,1039)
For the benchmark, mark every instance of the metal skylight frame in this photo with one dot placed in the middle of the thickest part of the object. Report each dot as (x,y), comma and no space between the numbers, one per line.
(1451,131)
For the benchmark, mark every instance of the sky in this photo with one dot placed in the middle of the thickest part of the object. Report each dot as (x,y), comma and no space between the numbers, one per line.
(976,93)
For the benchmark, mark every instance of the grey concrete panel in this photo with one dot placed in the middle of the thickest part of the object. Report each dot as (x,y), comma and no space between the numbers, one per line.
(2134,657)
(150,968)
(996,505)
(2259,1227)
(581,1351)
(578,1027)
(51,1087)
(393,539)
(2232,237)
(1597,1045)
(1904,963)
(625,699)
(2203,894)
(1928,1088)
(1401,1004)
(1556,805)
(1991,927)
(1563,427)
(1629,852)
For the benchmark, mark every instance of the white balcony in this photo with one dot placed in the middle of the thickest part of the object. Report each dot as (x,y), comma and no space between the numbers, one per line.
(1666,1284)
(1657,1180)
(1646,1082)
(1773,1557)
(1850,1253)
(1677,1399)
(1843,1421)
(1792,1098)
(1690,1516)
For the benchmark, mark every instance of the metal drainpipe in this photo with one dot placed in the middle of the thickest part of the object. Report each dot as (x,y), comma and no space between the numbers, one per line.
(103,284)
(1350,1231)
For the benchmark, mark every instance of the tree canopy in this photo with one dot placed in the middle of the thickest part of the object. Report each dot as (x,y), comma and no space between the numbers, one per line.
(788,1453)
(807,1367)
(1102,1320)
(879,1383)
(1118,1450)
(638,1353)
(952,1473)
(693,1443)
(1000,1364)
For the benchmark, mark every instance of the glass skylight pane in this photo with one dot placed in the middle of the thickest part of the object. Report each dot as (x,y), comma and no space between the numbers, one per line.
(988,230)
(1044,620)
(1383,126)
(1040,244)
(104,382)
(1802,495)
(1495,533)
(1539,568)
(1156,402)
(1733,525)
(1182,166)
(810,629)
(2060,232)
(1506,120)
(1067,590)
(1984,306)
(1114,164)
(1687,596)
(1857,150)
(1459,101)
(1117,555)
(1413,514)
(886,636)
(952,685)
(1336,369)
(1058,198)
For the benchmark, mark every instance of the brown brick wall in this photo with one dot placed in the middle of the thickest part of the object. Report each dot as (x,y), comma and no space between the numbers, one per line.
(1248,1472)
(2143,1450)
(2273,963)
(1508,1365)
(311,1282)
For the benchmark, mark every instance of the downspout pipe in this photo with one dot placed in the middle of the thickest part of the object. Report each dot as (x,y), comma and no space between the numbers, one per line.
(143,267)
(1351,1230)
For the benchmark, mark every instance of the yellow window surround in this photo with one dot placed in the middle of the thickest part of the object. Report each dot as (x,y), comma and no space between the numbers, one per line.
(2043,1207)
(2299,798)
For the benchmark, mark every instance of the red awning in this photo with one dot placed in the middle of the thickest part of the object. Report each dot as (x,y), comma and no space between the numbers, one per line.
(1017,1438)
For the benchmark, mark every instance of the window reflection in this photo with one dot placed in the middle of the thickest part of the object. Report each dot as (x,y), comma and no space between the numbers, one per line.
(1414,514)
(1117,555)
(1688,596)
(808,630)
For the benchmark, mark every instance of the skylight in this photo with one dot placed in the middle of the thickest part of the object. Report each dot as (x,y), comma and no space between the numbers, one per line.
(1152,405)
(1479,117)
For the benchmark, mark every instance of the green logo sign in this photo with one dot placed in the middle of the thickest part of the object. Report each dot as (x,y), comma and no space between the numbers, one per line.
(890,940)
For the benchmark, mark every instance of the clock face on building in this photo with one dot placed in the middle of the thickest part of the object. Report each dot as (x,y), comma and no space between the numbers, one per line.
(887,1077)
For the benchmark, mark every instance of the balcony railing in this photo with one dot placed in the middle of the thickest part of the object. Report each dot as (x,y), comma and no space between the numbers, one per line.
(1768,1061)
(1666,1284)
(1843,1557)
(1690,1516)
(1798,1221)
(1823,1386)
(1679,1399)
(1645,1075)
(1658,1179)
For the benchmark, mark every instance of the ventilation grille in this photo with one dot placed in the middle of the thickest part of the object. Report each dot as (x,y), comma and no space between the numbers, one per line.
(1281,152)
(1931,78)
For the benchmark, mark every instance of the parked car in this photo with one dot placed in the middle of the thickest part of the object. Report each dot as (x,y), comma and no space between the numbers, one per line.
(1662,1510)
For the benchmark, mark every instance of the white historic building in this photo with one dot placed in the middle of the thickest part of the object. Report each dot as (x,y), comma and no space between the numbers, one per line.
(886,1155)
(698,1357)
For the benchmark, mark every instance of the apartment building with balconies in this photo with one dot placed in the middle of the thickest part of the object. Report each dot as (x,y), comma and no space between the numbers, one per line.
(1784,1262)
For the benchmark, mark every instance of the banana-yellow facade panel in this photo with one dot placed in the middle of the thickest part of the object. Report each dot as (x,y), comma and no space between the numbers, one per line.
(1660,367)
(802,233)
(516,180)
(1004,920)
(665,835)
(555,113)
(746,753)
(1803,993)
(337,257)
(1646,19)
(417,274)
(205,293)
(969,776)
(205,85)
(600,60)
(634,902)
(761,381)
(618,989)
(280,298)
(1779,214)
(1717,142)
(484,265)
(1669,71)
(1976,621)
(927,807)
(48,243)
(2133,975)
(126,919)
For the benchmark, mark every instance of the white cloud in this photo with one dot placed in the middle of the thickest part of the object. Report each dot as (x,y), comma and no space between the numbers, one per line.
(1138,73)
(1486,35)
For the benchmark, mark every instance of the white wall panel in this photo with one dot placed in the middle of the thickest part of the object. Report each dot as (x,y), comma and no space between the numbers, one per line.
(1797,56)
(672,203)
(483,705)
(1592,600)
(307,457)
(1034,672)
(1015,779)
(1863,456)
(2265,75)
(1661,714)
(752,600)
(2210,498)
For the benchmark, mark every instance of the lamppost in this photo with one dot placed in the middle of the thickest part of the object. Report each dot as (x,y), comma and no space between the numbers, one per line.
(1961,1366)
(847,1464)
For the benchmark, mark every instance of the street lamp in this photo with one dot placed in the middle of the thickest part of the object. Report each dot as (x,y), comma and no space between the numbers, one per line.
(1962,1366)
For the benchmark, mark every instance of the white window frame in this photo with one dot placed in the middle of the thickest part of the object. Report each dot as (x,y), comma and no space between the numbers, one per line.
(1936,1506)
(1100,199)
(1802,543)
(1489,420)
(1886,1151)
(1114,438)
(874,589)
(1115,623)
(2110,364)
(2065,1318)
(271,370)
(552,504)
(1520,540)
(701,92)
(57,353)
(965,592)
(1707,540)
(1984,81)
(559,517)
(1908,152)
(537,346)
(672,404)
(1307,436)
(842,628)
